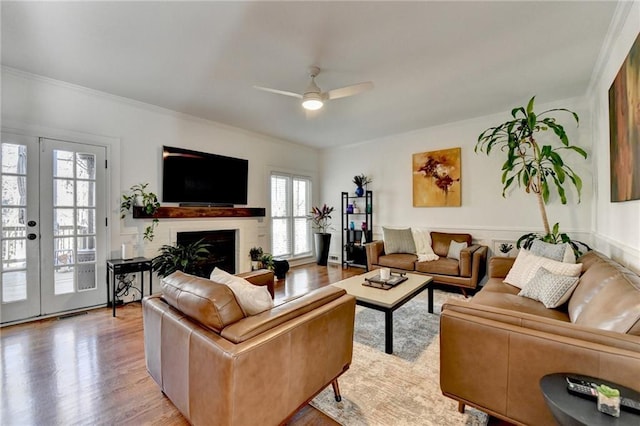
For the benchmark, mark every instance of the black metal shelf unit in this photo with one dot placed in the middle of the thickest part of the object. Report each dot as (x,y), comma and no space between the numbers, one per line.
(356,223)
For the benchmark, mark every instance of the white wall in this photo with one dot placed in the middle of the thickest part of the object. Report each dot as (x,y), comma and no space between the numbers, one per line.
(484,212)
(616,226)
(136,133)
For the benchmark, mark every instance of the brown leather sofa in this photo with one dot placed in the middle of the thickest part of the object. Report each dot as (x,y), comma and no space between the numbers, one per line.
(221,367)
(465,273)
(495,349)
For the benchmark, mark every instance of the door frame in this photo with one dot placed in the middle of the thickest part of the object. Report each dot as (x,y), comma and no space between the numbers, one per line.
(112,181)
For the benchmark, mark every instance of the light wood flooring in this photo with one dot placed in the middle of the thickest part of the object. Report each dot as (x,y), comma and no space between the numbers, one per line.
(89,369)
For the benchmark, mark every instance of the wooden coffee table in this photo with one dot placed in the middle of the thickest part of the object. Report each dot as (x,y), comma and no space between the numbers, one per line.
(387,301)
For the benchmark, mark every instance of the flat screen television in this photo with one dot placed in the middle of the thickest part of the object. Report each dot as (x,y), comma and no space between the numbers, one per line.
(200,178)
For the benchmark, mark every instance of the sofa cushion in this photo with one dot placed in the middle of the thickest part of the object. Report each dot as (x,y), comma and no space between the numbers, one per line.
(551,289)
(455,248)
(252,299)
(498,294)
(527,264)
(398,261)
(607,297)
(398,241)
(440,241)
(211,304)
(442,266)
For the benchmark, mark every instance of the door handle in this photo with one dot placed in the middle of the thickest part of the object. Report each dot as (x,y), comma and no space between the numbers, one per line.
(31,223)
(32,236)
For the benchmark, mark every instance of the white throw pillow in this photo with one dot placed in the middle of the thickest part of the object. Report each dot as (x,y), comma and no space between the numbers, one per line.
(455,248)
(527,264)
(253,299)
(550,289)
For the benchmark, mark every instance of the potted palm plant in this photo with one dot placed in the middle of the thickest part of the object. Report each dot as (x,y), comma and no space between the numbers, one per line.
(187,258)
(320,216)
(539,169)
(139,197)
(361,180)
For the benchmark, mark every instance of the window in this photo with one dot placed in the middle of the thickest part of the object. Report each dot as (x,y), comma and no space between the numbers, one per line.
(290,204)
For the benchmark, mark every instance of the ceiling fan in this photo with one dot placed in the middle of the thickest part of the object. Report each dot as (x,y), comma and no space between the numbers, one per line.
(313,98)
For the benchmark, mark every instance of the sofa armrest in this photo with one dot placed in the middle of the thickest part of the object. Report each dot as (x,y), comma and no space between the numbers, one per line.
(473,261)
(260,277)
(466,258)
(494,358)
(374,249)
(499,266)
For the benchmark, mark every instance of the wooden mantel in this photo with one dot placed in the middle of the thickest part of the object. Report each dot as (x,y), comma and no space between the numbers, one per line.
(192,212)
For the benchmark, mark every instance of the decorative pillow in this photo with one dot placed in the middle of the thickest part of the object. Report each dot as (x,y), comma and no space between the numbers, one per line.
(455,248)
(252,299)
(559,252)
(527,264)
(549,288)
(398,241)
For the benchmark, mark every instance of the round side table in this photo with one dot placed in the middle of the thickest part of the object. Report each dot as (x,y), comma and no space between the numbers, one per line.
(569,409)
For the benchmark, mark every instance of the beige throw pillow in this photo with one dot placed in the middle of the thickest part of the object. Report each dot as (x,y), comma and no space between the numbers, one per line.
(398,241)
(455,248)
(527,264)
(252,299)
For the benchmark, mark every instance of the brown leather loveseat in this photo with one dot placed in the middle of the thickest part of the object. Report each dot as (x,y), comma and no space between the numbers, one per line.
(219,366)
(465,273)
(495,349)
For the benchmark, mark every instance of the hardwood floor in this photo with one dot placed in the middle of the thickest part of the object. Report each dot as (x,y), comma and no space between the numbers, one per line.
(90,369)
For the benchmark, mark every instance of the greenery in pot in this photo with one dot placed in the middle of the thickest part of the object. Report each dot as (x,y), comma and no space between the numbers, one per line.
(267,261)
(138,196)
(539,169)
(255,253)
(320,216)
(181,257)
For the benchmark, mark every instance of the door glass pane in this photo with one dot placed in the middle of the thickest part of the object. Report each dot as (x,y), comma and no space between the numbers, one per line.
(300,198)
(63,279)
(14,254)
(86,244)
(13,222)
(63,164)
(279,205)
(86,193)
(14,159)
(14,190)
(86,221)
(86,166)
(63,251)
(87,279)
(63,192)
(62,222)
(14,286)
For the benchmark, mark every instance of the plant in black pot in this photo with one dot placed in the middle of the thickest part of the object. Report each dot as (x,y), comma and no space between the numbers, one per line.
(320,216)
(188,258)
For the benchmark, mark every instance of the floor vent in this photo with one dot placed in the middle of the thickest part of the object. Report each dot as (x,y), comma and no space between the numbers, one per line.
(71,315)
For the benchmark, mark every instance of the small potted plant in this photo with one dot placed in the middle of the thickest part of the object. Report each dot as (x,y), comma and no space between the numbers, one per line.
(361,180)
(320,216)
(255,253)
(139,197)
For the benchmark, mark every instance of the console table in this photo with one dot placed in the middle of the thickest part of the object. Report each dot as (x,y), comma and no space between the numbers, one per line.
(117,267)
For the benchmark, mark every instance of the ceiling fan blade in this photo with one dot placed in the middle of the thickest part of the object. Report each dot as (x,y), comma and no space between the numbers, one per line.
(278,92)
(354,89)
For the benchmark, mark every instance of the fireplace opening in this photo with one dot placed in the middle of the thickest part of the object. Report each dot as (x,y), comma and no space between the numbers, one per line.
(222,249)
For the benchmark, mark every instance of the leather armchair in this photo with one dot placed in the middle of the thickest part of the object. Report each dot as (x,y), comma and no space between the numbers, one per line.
(221,367)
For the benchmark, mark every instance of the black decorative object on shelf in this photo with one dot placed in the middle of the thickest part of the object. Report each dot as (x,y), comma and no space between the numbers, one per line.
(357,228)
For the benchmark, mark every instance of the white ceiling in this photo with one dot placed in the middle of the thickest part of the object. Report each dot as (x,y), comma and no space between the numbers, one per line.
(431,62)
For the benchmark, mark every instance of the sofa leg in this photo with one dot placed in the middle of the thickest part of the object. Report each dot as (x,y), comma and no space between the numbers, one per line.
(464,292)
(460,407)
(336,390)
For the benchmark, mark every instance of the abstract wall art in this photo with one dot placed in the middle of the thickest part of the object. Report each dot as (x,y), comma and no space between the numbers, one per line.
(436,178)
(624,128)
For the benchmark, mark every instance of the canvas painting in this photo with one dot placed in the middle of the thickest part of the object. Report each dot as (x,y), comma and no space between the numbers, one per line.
(624,128)
(436,178)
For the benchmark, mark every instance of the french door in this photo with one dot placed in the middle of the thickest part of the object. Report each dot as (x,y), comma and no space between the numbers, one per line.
(53,226)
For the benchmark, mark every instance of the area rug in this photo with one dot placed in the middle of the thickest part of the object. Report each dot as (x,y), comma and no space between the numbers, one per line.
(399,389)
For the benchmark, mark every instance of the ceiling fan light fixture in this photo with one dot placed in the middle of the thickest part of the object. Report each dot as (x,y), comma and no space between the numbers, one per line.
(312,101)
